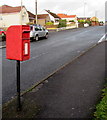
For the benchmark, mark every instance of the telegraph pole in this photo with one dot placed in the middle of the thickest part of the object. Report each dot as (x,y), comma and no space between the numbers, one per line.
(21,11)
(36,17)
(95,17)
(84,8)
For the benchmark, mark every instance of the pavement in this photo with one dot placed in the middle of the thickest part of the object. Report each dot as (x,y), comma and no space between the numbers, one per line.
(71,92)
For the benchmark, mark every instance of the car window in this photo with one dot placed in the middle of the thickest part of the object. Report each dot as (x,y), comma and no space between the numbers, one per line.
(43,28)
(40,28)
(31,27)
(37,28)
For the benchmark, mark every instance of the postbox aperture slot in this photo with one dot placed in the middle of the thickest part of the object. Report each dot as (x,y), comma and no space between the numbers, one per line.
(26,35)
(26,47)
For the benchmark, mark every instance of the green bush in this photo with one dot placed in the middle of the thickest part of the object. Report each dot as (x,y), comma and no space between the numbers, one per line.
(62,23)
(101,22)
(49,23)
(87,21)
(71,21)
(101,108)
(81,21)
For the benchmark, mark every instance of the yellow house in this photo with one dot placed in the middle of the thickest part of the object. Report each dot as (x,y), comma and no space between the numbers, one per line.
(42,19)
(13,16)
(94,19)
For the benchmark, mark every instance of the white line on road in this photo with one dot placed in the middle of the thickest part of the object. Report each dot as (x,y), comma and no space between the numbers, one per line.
(103,38)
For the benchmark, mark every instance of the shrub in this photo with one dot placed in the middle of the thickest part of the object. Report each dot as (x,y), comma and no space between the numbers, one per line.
(71,21)
(87,21)
(101,22)
(101,108)
(49,23)
(81,21)
(62,23)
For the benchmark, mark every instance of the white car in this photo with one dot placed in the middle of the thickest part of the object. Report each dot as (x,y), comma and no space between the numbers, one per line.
(37,31)
(86,25)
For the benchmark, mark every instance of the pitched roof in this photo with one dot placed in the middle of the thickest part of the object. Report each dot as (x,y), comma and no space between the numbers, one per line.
(66,16)
(83,18)
(53,14)
(42,16)
(94,19)
(9,9)
(31,14)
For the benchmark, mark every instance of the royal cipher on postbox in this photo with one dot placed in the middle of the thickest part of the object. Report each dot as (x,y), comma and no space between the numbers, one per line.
(18,42)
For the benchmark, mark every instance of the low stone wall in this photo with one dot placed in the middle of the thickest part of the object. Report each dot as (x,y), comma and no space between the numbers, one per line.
(81,25)
(60,29)
(51,26)
(95,24)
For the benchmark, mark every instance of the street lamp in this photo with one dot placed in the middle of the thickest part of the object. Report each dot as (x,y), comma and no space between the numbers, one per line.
(36,17)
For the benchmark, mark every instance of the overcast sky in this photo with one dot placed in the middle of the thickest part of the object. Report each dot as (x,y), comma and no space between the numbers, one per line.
(72,7)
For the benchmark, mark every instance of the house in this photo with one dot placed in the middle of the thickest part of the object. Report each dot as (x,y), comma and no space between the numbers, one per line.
(68,18)
(84,18)
(94,21)
(54,17)
(42,18)
(31,17)
(13,16)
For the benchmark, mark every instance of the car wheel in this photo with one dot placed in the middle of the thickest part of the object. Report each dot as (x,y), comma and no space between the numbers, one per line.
(36,37)
(46,36)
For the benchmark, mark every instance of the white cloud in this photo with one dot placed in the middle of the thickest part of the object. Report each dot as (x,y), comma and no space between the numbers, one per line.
(63,6)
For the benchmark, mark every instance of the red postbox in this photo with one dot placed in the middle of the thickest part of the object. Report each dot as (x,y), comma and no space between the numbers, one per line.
(18,42)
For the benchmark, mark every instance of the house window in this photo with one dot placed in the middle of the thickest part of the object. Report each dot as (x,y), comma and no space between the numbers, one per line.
(56,20)
(23,17)
(1,18)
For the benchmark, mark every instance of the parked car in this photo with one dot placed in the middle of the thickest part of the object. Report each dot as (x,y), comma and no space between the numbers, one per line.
(37,31)
(101,23)
(86,25)
(2,32)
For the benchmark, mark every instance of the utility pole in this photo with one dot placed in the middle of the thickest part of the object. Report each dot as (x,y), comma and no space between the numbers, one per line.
(95,17)
(36,17)
(21,11)
(84,7)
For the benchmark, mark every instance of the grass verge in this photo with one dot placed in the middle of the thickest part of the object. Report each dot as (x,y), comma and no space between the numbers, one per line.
(101,108)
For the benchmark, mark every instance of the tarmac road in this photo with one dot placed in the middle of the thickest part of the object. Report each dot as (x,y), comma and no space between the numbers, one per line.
(47,56)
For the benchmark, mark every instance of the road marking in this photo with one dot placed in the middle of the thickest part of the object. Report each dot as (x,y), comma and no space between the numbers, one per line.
(102,39)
